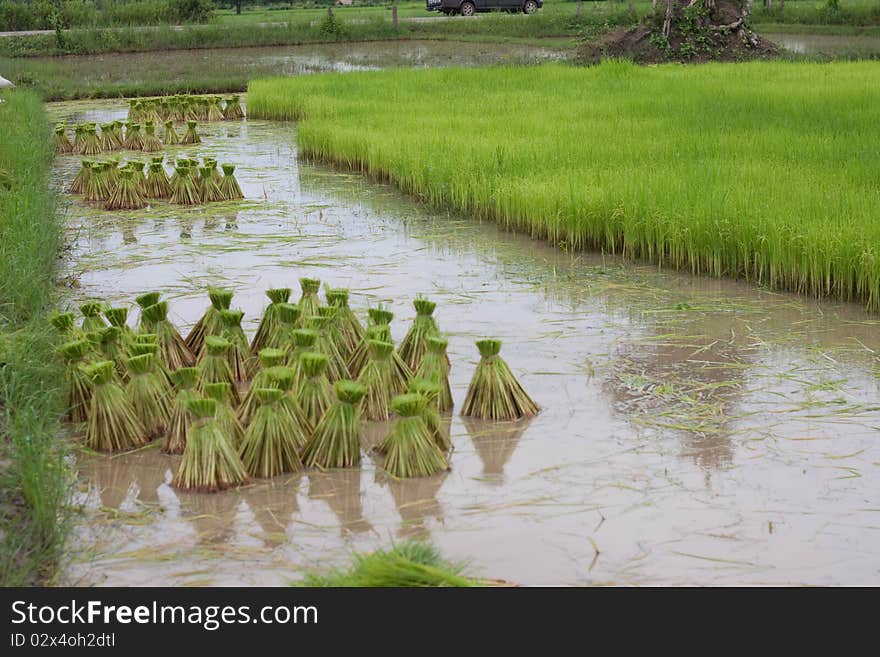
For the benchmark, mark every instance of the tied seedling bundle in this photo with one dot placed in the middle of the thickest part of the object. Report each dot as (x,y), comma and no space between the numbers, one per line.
(180,422)
(191,136)
(494,393)
(79,388)
(112,424)
(185,187)
(215,111)
(376,377)
(157,184)
(225,416)
(171,138)
(99,187)
(81,181)
(86,139)
(284,379)
(148,394)
(268,358)
(435,367)
(146,324)
(431,412)
(151,143)
(303,342)
(239,354)
(92,319)
(127,195)
(410,450)
(315,392)
(214,367)
(209,191)
(424,326)
(210,462)
(267,334)
(233,109)
(229,187)
(209,323)
(350,328)
(326,343)
(116,136)
(134,140)
(308,301)
(336,441)
(268,448)
(107,142)
(172,348)
(114,347)
(118,317)
(287,315)
(64,324)
(61,141)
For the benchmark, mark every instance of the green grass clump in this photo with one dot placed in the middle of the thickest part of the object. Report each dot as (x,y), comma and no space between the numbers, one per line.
(764,171)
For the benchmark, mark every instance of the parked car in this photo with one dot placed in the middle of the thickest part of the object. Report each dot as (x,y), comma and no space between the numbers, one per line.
(471,7)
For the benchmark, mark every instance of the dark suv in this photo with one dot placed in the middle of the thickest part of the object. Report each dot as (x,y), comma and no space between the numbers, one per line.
(471,7)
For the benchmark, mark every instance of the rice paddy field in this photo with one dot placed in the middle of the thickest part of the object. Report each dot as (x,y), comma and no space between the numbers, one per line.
(694,429)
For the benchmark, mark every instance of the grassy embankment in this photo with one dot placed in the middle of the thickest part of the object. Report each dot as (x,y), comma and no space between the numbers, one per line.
(762,171)
(33,483)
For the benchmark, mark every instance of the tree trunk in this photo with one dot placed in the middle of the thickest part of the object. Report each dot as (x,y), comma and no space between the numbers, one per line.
(394,15)
(238,7)
(667,21)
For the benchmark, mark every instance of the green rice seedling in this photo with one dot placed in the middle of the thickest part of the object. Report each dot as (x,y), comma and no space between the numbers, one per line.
(148,394)
(268,358)
(148,343)
(134,140)
(424,326)
(267,331)
(210,463)
(233,110)
(137,167)
(172,347)
(336,440)
(226,416)
(241,362)
(64,324)
(107,143)
(113,425)
(435,367)
(77,383)
(494,393)
(284,378)
(229,187)
(431,412)
(315,392)
(118,317)
(180,421)
(116,136)
(351,329)
(81,181)
(409,448)
(157,185)
(79,134)
(151,143)
(214,366)
(191,136)
(209,323)
(268,449)
(98,188)
(359,358)
(61,141)
(376,378)
(113,347)
(215,112)
(144,301)
(91,143)
(303,342)
(185,188)
(92,319)
(337,368)
(127,195)
(308,301)
(171,137)
(209,191)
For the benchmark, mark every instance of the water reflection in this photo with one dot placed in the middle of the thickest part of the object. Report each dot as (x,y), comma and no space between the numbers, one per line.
(416,501)
(495,443)
(341,490)
(273,504)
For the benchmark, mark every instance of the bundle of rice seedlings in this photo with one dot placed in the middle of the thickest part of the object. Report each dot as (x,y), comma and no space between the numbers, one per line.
(172,347)
(326,343)
(229,187)
(410,450)
(424,326)
(268,359)
(215,112)
(61,141)
(107,143)
(267,449)
(91,143)
(210,462)
(64,324)
(118,317)
(137,168)
(239,356)
(113,425)
(127,195)
(214,367)
(308,301)
(284,378)
(350,328)
(92,319)
(116,136)
(267,331)
(171,136)
(191,136)
(98,188)
(233,108)
(134,140)
(494,393)
(303,342)
(380,329)
(209,191)
(157,185)
(180,420)
(431,412)
(435,367)
(81,182)
(77,383)
(226,416)
(336,441)
(209,323)
(148,394)
(185,187)
(315,391)
(79,134)
(376,379)
(151,143)
(113,347)
(287,317)
(144,301)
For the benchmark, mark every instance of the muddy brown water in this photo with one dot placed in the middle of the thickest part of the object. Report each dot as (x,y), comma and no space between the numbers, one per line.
(694,431)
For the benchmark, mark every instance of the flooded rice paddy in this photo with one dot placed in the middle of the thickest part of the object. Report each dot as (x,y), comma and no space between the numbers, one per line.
(850,46)
(694,431)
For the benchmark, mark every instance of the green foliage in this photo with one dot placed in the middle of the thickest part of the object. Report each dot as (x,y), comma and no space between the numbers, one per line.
(332,28)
